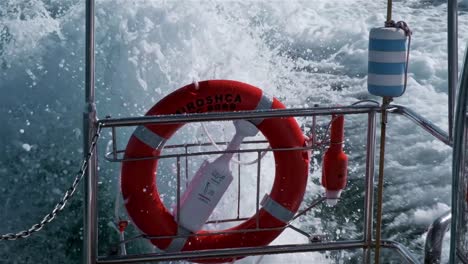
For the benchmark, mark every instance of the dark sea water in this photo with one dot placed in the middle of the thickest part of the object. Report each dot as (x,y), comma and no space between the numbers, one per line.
(303,52)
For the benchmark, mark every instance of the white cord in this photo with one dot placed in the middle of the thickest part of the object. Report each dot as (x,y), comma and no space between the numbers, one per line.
(195,82)
(117,205)
(321,143)
(213,142)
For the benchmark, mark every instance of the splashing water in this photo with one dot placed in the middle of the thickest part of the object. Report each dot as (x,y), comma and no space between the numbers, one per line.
(303,52)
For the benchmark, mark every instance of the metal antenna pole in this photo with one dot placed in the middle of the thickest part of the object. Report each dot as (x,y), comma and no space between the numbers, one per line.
(378,236)
(452,43)
(389,11)
(457,228)
(383,130)
(89,128)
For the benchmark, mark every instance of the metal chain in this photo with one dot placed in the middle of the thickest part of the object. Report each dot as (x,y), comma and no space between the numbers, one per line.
(66,197)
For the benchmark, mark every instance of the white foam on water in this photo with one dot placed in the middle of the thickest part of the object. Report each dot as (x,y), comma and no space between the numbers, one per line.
(303,52)
(26,147)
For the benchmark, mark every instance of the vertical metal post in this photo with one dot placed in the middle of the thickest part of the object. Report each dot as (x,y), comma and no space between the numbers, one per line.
(114,143)
(369,195)
(186,167)
(238,185)
(458,164)
(90,94)
(452,38)
(257,204)
(89,128)
(380,188)
(178,189)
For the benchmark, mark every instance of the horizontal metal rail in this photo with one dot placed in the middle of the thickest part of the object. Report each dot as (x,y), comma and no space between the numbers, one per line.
(234,252)
(214,152)
(205,234)
(113,156)
(257,229)
(402,250)
(228,116)
(254,251)
(229,220)
(419,120)
(422,122)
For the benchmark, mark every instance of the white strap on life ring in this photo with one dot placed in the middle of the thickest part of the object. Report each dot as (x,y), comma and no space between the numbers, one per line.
(178,243)
(276,209)
(265,103)
(149,137)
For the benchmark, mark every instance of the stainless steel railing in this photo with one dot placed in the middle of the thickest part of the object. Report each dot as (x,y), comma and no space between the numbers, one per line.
(435,237)
(458,229)
(90,127)
(90,124)
(366,243)
(405,255)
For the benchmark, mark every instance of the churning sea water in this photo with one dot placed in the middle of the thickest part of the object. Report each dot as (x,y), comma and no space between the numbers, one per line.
(303,52)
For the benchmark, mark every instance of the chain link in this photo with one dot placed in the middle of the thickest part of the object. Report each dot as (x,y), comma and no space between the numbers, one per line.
(66,197)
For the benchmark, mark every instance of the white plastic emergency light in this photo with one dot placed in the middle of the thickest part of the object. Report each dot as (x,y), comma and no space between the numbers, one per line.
(210,183)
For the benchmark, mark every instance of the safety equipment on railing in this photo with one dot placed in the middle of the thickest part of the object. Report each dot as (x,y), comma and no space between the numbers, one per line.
(210,182)
(138,181)
(66,197)
(388,78)
(388,59)
(335,163)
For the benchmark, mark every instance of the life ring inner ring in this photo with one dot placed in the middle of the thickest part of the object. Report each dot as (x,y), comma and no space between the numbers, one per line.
(138,180)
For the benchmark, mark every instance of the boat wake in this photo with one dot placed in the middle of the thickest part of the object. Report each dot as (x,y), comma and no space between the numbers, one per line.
(304,53)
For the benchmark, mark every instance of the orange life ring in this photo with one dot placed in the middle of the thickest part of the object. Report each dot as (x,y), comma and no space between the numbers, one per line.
(138,181)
